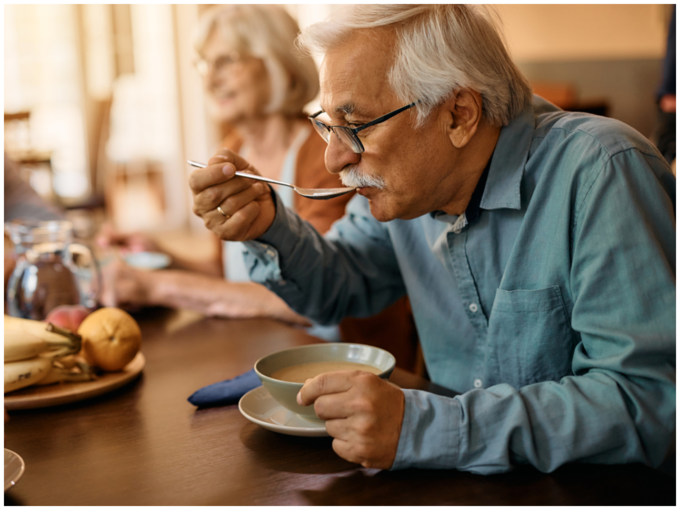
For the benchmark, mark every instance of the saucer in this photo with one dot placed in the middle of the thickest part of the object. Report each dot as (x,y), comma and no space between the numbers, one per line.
(14,468)
(260,407)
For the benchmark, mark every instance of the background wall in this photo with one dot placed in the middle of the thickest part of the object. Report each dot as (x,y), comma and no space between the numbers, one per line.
(558,33)
(606,52)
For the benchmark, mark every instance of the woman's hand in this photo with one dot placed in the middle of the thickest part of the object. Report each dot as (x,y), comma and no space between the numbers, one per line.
(128,243)
(124,286)
(247,205)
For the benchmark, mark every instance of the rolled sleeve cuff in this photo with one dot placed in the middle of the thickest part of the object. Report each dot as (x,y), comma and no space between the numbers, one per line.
(429,433)
(262,256)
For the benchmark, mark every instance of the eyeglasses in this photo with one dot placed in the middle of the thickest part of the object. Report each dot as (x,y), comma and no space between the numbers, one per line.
(218,65)
(348,135)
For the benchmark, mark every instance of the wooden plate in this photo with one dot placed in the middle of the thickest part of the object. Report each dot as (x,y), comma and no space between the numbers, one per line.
(67,392)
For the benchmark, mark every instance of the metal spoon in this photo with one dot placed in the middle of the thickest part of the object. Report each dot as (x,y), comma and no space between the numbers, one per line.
(313,193)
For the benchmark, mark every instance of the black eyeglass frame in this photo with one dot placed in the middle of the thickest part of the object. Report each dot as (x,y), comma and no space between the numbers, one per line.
(353,131)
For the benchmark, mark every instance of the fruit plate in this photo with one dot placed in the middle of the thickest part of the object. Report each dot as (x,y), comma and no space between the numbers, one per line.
(67,392)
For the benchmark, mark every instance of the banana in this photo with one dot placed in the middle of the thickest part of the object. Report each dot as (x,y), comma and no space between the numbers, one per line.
(19,374)
(25,339)
(58,374)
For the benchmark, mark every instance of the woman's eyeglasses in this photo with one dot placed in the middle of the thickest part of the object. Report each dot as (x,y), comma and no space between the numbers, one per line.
(218,65)
(348,135)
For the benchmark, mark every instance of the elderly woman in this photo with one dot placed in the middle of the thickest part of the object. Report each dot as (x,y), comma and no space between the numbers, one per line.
(258,85)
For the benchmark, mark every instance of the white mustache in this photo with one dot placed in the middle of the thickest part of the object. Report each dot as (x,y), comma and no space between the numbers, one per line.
(352,177)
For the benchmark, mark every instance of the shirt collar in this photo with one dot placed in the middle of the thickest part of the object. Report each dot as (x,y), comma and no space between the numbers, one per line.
(472,211)
(507,163)
(500,183)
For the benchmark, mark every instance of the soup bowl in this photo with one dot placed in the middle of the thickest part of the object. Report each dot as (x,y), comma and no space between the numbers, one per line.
(285,392)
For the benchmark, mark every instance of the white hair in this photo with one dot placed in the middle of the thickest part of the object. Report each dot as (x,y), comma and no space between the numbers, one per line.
(440,49)
(267,32)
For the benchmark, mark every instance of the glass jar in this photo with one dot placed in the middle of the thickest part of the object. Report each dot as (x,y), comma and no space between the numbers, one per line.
(50,269)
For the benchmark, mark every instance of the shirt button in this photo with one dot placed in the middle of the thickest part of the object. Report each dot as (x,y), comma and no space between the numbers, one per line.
(457,231)
(478,383)
(270,252)
(473,308)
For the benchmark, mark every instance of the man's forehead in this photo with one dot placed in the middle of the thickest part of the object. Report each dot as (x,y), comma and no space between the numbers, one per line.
(354,77)
(345,105)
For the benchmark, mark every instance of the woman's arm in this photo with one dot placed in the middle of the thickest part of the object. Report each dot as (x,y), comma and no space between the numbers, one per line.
(129,287)
(108,238)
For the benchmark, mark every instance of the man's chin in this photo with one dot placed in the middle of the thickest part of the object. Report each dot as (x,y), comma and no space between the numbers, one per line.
(379,211)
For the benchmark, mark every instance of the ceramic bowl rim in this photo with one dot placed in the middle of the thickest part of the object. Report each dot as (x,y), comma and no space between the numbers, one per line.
(289,384)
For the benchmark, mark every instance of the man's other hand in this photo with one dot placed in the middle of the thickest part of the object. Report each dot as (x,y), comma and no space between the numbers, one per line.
(363,413)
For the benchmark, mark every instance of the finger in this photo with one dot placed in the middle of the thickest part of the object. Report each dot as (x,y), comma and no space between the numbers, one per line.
(368,454)
(234,203)
(225,155)
(338,428)
(238,226)
(212,175)
(208,199)
(110,237)
(323,384)
(221,167)
(230,208)
(334,406)
(346,450)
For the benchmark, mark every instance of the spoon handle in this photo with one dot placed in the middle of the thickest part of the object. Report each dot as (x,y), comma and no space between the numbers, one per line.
(246,175)
(265,179)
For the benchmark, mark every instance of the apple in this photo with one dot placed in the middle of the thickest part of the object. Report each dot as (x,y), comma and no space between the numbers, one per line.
(68,316)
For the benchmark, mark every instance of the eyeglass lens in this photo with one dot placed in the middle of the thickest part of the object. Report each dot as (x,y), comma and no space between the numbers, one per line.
(218,65)
(344,134)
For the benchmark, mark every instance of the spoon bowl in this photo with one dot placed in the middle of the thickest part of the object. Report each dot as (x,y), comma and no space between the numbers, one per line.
(313,193)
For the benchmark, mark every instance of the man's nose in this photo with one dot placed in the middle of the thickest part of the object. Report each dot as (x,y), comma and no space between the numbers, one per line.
(338,155)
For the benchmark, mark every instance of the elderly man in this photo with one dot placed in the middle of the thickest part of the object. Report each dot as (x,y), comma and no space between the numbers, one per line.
(537,248)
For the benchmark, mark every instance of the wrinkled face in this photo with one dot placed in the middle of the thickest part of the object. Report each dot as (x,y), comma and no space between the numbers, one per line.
(239,90)
(415,166)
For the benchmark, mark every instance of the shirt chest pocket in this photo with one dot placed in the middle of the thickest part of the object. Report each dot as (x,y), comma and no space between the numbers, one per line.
(530,339)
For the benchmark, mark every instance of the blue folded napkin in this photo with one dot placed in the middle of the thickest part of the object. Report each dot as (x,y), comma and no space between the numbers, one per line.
(227,392)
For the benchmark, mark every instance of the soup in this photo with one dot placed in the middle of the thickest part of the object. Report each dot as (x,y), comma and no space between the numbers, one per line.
(300,373)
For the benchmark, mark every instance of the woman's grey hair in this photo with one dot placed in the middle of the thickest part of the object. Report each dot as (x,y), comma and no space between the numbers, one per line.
(440,49)
(267,32)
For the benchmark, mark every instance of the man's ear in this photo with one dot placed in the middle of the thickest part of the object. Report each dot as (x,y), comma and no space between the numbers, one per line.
(464,113)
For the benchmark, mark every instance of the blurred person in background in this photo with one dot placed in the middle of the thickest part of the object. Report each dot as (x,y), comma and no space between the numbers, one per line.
(664,133)
(258,85)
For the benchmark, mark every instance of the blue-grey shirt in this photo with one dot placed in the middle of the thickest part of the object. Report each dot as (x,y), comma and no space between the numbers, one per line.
(551,308)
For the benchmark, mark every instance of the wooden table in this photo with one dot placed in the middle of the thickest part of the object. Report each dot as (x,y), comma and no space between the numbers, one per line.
(144,444)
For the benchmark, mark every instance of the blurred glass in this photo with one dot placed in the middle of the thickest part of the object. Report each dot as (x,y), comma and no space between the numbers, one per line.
(50,269)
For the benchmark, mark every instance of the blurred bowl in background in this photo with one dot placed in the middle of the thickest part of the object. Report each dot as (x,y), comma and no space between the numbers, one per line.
(147,260)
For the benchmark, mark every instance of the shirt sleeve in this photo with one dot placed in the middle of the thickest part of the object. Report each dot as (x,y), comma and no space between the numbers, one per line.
(351,271)
(619,406)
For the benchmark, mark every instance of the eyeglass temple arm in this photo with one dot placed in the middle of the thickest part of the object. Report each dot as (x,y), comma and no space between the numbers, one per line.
(385,117)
